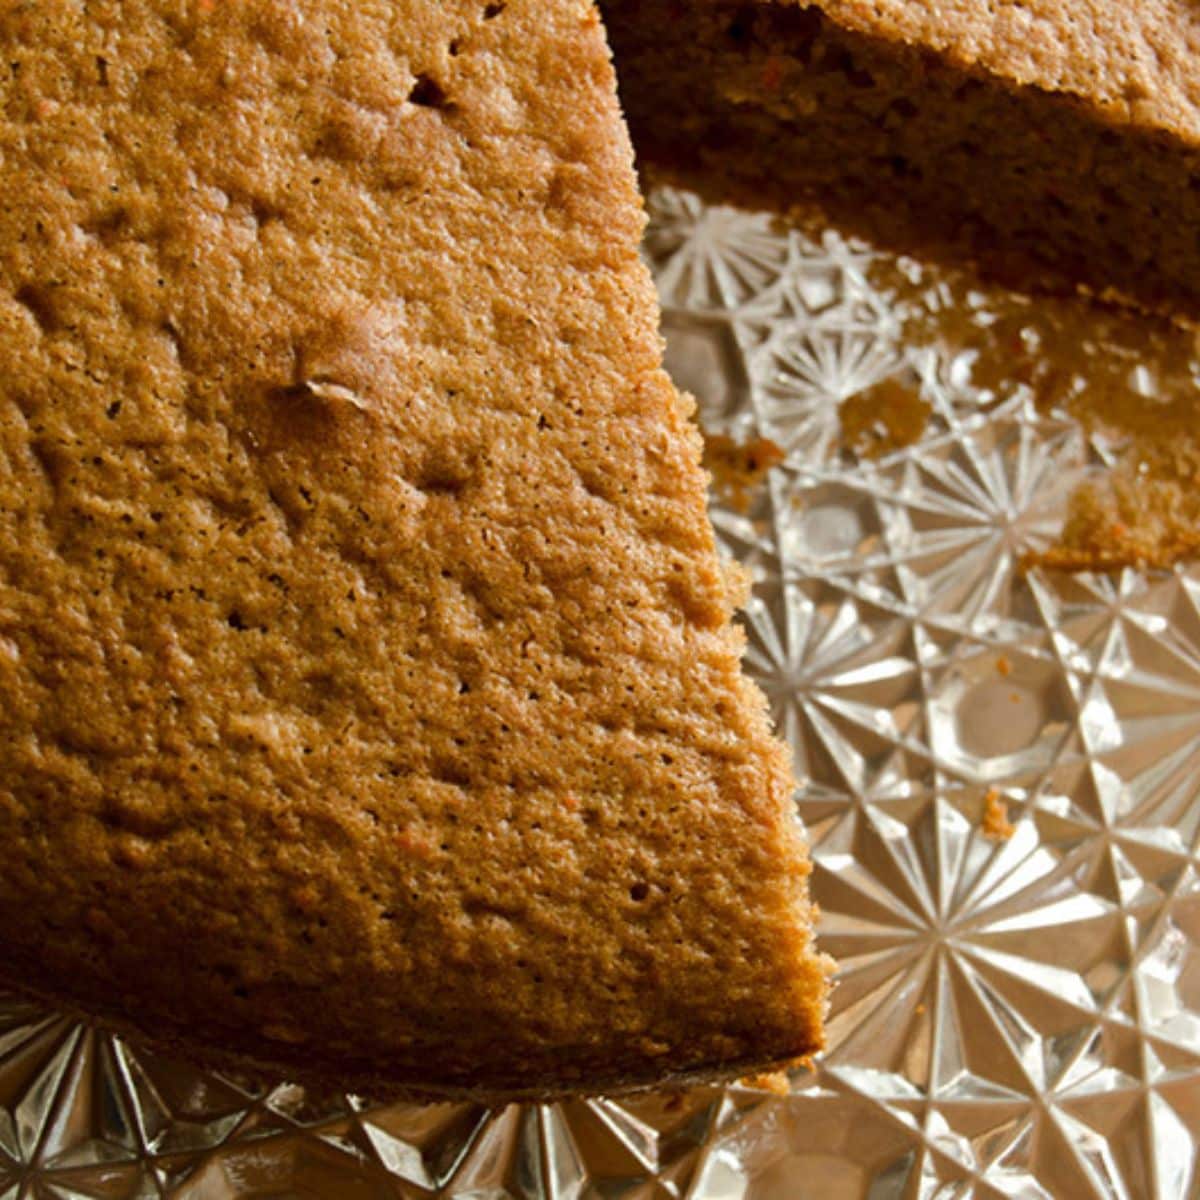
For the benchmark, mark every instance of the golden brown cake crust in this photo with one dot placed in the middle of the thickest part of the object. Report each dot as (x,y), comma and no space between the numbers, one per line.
(370,706)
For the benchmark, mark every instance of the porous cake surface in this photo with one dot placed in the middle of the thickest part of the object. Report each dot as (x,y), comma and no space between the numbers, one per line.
(370,706)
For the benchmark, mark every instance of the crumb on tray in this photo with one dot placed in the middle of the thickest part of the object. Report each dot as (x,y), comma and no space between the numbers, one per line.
(775,1082)
(739,467)
(995,824)
(883,418)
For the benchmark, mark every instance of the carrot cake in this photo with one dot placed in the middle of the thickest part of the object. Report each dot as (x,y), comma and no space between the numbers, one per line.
(1052,141)
(370,708)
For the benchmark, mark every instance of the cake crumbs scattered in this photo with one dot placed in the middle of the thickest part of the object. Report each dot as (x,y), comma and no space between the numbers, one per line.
(737,468)
(1144,513)
(883,418)
(1127,379)
(1003,666)
(995,824)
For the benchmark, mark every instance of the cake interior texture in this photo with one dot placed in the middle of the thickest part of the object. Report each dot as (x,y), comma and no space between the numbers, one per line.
(1054,143)
(370,707)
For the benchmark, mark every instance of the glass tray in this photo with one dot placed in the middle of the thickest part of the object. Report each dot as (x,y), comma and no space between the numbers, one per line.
(1016,1016)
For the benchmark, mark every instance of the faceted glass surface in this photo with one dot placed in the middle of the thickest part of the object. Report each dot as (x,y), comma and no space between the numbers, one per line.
(1014,1017)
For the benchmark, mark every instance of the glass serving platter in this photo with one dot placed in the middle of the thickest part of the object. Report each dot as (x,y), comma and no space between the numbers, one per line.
(1001,775)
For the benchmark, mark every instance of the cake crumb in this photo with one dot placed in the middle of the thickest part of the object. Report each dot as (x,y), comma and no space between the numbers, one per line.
(775,1082)
(1144,513)
(1003,666)
(737,468)
(883,418)
(995,824)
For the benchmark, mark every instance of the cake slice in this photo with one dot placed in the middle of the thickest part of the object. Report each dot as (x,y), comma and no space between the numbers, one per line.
(1052,141)
(369,704)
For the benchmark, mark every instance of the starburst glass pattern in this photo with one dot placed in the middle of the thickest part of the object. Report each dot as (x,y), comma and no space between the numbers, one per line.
(1000,778)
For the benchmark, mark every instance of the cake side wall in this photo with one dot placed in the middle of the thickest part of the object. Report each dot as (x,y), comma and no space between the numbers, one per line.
(780,107)
(1135,61)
